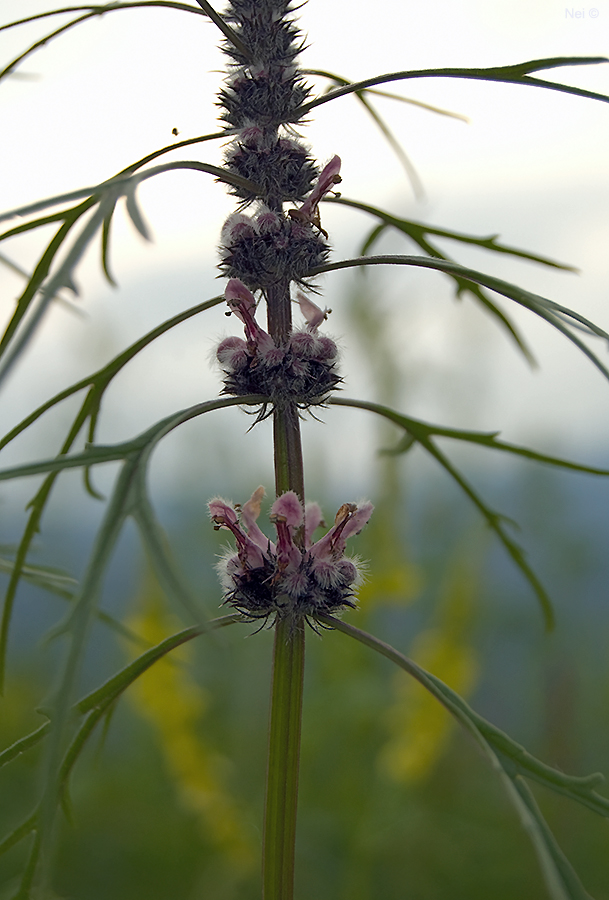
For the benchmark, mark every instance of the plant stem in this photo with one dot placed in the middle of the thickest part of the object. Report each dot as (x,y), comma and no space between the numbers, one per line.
(283,761)
(288,655)
(288,451)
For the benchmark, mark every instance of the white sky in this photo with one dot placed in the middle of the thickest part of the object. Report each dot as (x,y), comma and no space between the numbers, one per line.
(531,165)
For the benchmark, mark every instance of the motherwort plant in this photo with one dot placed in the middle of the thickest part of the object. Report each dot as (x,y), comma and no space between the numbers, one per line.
(272,248)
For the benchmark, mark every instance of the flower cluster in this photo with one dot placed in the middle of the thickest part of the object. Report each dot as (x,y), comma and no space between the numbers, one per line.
(269,247)
(266,86)
(301,372)
(292,577)
(262,95)
(261,101)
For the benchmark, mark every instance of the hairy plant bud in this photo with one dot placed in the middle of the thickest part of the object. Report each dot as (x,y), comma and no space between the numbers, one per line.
(282,167)
(261,257)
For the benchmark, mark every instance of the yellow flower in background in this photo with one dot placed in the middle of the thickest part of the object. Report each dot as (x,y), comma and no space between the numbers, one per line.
(169,698)
(419,726)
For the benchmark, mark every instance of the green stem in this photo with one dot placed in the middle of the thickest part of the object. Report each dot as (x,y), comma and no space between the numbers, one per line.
(283,762)
(288,451)
(288,656)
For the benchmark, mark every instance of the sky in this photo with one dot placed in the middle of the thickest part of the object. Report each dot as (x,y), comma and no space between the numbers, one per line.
(530,165)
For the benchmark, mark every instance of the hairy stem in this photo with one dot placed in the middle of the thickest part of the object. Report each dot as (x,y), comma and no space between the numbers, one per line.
(288,656)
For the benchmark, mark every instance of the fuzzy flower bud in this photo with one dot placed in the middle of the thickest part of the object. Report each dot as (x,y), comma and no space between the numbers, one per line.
(270,248)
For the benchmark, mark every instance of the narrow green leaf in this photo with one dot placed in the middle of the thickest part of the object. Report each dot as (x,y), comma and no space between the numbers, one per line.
(105,247)
(23,744)
(407,164)
(542,307)
(157,550)
(517,74)
(122,183)
(114,686)
(561,880)
(100,453)
(418,231)
(19,833)
(76,629)
(484,438)
(35,223)
(41,271)
(104,376)
(493,519)
(95,10)
(103,697)
(37,505)
(338,79)
(372,238)
(54,580)
(100,9)
(135,213)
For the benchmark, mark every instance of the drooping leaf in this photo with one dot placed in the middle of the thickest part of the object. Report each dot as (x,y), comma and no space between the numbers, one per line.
(419,232)
(340,80)
(517,74)
(101,379)
(91,12)
(551,312)
(423,434)
(513,764)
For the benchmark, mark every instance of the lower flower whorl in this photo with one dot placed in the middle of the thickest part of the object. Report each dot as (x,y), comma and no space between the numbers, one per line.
(266,580)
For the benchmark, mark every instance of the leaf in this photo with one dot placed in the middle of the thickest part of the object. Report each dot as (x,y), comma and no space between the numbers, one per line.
(100,453)
(517,74)
(339,79)
(123,183)
(23,744)
(395,145)
(105,246)
(422,433)
(542,307)
(19,833)
(54,580)
(102,378)
(419,232)
(134,211)
(111,689)
(157,549)
(105,197)
(415,427)
(97,10)
(511,761)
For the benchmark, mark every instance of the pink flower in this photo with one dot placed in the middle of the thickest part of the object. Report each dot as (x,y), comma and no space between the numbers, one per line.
(328,178)
(294,576)
(301,372)
(313,314)
(309,211)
